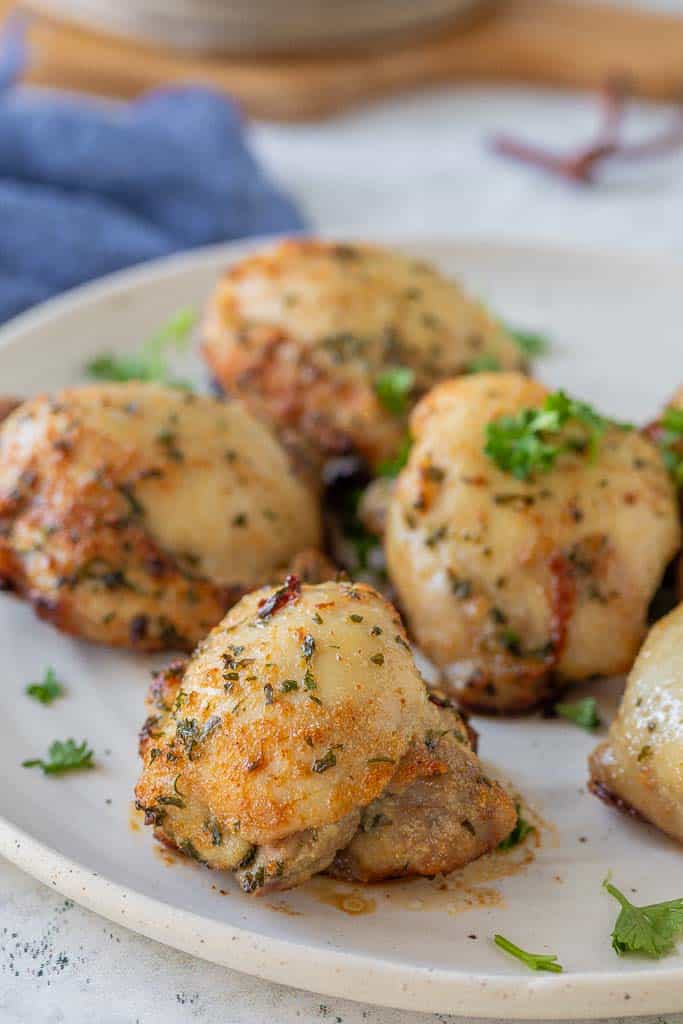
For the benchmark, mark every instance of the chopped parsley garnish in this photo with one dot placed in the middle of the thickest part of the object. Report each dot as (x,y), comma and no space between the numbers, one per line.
(583,713)
(63,756)
(651,930)
(669,436)
(534,961)
(519,833)
(393,388)
(531,440)
(531,343)
(483,364)
(48,690)
(392,467)
(328,760)
(150,362)
(309,680)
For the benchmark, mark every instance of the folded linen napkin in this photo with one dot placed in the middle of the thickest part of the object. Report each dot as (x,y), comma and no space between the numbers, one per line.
(88,187)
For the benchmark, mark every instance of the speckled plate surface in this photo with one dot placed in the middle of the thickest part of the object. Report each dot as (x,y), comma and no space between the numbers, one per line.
(427,945)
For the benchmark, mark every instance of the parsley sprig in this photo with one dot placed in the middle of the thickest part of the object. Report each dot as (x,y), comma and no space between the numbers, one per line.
(534,961)
(392,467)
(670,441)
(63,756)
(150,363)
(487,363)
(650,930)
(531,343)
(583,713)
(532,440)
(519,833)
(393,388)
(48,690)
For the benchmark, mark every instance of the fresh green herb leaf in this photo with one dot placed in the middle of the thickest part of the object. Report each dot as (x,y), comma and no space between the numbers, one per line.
(535,961)
(393,388)
(531,440)
(48,690)
(484,364)
(150,362)
(364,543)
(328,760)
(583,713)
(531,343)
(392,467)
(650,930)
(519,833)
(669,437)
(66,756)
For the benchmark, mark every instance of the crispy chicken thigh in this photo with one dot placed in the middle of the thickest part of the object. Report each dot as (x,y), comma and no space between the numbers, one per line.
(430,824)
(508,584)
(296,713)
(134,515)
(309,333)
(640,765)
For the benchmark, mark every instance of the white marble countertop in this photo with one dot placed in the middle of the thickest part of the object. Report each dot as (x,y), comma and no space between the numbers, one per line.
(419,166)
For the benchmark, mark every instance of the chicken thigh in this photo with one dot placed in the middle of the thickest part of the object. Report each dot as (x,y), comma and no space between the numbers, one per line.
(512,579)
(338,341)
(639,767)
(134,515)
(263,753)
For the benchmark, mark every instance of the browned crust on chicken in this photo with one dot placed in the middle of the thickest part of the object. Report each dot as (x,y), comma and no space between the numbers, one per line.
(301,709)
(97,513)
(612,799)
(8,405)
(302,331)
(515,587)
(439,812)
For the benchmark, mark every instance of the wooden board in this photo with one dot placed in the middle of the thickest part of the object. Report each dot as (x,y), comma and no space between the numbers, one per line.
(545,42)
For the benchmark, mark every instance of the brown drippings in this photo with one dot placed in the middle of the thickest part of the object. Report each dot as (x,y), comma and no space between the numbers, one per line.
(466,889)
(469,888)
(348,899)
(284,908)
(165,854)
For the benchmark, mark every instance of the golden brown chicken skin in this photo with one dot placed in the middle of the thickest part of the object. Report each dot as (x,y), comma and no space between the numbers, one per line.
(311,333)
(513,585)
(134,515)
(8,405)
(429,823)
(639,767)
(298,711)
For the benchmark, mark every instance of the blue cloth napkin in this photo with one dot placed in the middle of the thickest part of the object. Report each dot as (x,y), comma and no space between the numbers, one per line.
(87,188)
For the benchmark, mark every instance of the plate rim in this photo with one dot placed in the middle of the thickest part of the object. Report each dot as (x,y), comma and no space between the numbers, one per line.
(336,972)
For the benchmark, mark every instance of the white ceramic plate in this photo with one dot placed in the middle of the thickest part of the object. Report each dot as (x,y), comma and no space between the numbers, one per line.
(616,330)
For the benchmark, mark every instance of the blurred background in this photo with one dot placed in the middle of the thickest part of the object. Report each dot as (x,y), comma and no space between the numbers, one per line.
(135,129)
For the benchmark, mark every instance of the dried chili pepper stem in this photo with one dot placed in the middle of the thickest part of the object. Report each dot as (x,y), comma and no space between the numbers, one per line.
(581,166)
